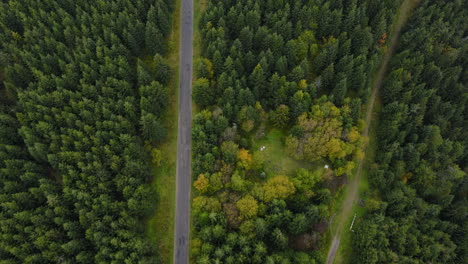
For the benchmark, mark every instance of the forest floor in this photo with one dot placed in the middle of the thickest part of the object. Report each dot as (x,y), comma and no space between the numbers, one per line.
(348,207)
(160,227)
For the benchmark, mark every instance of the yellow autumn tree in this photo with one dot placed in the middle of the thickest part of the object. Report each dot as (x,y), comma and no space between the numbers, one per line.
(302,84)
(278,187)
(205,204)
(353,135)
(323,134)
(202,183)
(156,156)
(359,154)
(334,148)
(248,228)
(195,246)
(347,168)
(248,207)
(244,158)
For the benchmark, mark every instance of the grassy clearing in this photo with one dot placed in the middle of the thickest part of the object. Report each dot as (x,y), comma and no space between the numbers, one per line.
(335,217)
(160,227)
(344,252)
(277,163)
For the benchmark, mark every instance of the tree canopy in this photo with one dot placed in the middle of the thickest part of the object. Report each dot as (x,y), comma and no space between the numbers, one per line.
(86,87)
(302,69)
(420,169)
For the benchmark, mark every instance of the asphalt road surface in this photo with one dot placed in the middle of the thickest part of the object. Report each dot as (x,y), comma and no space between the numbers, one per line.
(183,171)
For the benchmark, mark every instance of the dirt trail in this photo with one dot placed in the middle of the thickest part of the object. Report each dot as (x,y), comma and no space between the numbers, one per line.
(353,187)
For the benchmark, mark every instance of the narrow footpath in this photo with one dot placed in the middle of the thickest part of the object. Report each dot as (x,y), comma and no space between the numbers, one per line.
(352,193)
(183,171)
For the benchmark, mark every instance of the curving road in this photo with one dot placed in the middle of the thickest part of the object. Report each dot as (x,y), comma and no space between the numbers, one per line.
(183,171)
(353,187)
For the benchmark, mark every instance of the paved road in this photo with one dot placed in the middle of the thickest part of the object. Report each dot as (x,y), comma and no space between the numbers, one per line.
(353,187)
(183,179)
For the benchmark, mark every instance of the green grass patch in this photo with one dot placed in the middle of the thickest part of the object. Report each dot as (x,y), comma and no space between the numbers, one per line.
(160,227)
(335,217)
(344,252)
(277,161)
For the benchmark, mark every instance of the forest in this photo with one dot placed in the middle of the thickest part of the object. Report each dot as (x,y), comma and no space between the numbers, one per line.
(280,88)
(421,164)
(83,89)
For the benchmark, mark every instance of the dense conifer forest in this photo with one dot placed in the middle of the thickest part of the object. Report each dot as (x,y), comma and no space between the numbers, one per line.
(280,90)
(422,157)
(83,90)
